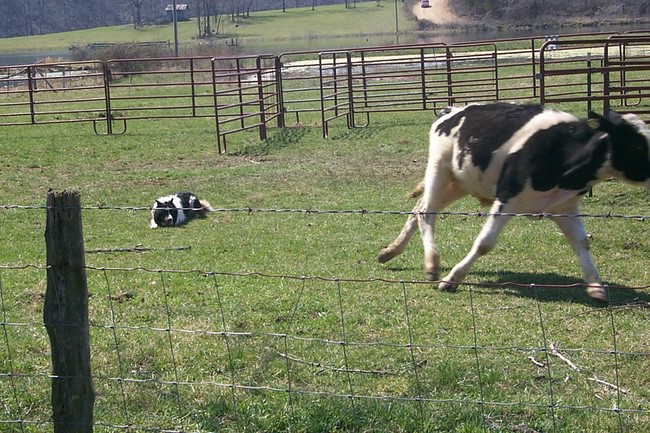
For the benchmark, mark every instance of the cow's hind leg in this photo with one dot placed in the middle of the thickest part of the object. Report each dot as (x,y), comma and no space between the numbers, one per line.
(427,223)
(435,197)
(485,242)
(575,233)
(441,190)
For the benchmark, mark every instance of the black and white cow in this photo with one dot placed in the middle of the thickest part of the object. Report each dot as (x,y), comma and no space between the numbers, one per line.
(522,159)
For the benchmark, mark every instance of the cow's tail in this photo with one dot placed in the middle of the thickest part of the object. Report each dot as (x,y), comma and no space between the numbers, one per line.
(417,192)
(401,241)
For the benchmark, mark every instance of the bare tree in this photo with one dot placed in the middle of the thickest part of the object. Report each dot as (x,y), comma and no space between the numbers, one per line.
(28,18)
(248,8)
(208,17)
(137,12)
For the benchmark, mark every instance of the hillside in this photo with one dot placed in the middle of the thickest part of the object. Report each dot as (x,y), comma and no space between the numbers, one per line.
(550,12)
(38,17)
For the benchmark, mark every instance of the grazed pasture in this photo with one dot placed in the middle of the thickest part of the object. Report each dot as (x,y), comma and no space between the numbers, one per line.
(414,359)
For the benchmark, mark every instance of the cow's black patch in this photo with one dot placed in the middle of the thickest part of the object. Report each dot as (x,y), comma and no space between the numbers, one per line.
(486,128)
(566,156)
(630,152)
(445,127)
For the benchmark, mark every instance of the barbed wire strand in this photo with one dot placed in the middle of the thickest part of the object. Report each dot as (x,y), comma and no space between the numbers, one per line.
(309,211)
(207,273)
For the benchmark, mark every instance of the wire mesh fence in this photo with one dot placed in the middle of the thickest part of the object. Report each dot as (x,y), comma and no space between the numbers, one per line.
(189,347)
(199,350)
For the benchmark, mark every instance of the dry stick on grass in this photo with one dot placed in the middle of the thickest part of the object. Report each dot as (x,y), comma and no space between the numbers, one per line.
(576,368)
(498,425)
(135,249)
(325,367)
(554,352)
(608,385)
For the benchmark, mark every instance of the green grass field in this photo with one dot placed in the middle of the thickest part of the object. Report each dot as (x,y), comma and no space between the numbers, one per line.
(414,359)
(281,319)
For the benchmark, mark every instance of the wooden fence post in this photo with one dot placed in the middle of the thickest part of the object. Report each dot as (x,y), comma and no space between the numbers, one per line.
(66,315)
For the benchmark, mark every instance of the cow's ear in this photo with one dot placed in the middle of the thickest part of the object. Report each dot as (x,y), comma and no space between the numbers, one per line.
(604,123)
(593,119)
(614,118)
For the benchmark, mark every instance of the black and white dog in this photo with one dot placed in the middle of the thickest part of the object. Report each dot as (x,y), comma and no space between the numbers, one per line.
(175,209)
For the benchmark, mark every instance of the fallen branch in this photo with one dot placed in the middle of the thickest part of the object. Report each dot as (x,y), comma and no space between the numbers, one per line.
(522,428)
(498,425)
(536,362)
(325,367)
(135,249)
(554,352)
(608,385)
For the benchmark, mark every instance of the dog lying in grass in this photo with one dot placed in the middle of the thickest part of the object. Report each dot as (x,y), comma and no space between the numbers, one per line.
(175,209)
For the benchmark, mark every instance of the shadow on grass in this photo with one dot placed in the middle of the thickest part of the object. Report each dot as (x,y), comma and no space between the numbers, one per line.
(281,139)
(363,133)
(552,287)
(548,287)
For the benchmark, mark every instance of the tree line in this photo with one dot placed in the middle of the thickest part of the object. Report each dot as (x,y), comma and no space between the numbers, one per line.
(532,11)
(35,17)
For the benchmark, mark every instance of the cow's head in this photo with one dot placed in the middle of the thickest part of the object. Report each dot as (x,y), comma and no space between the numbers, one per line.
(630,144)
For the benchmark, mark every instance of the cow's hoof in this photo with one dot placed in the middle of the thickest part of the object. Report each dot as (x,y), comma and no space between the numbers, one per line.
(385,255)
(447,286)
(432,276)
(597,292)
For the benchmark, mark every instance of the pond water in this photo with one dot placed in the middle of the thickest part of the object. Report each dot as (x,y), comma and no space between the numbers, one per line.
(468,34)
(7,59)
(473,34)
(332,43)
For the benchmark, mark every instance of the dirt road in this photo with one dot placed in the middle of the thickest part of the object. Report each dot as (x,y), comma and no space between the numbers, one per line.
(438,13)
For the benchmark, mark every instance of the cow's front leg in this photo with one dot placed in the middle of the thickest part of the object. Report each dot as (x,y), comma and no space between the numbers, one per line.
(575,233)
(485,242)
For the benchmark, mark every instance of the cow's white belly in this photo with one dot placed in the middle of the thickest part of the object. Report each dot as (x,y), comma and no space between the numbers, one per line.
(478,183)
